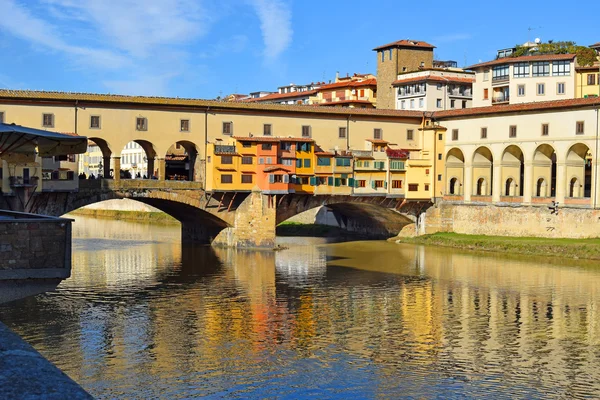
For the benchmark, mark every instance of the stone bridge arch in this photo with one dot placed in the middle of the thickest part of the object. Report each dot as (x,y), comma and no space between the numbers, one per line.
(201,221)
(373,217)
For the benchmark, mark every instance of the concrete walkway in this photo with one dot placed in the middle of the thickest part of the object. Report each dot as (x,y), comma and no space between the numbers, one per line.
(25,374)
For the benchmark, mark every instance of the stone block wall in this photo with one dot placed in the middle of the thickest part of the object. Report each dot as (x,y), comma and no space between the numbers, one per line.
(254,225)
(511,221)
(28,244)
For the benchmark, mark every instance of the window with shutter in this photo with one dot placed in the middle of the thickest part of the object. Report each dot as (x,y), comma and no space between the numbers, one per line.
(330,181)
(286,179)
(351,182)
(271,178)
(313,181)
(337,182)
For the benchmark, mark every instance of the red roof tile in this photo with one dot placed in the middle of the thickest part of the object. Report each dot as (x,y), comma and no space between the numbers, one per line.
(199,104)
(433,78)
(406,43)
(279,96)
(336,103)
(508,108)
(324,153)
(365,82)
(512,60)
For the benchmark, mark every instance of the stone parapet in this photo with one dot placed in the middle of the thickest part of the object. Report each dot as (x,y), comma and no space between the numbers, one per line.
(509,220)
(35,253)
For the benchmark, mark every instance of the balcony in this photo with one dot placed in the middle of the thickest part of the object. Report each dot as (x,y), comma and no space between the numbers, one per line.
(461,93)
(224,149)
(500,99)
(362,153)
(497,80)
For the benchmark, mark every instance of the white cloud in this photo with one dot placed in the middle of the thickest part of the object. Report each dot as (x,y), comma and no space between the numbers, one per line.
(139,26)
(136,39)
(276,26)
(21,23)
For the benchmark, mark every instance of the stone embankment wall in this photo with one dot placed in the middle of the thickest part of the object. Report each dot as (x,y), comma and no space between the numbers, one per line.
(510,221)
(34,244)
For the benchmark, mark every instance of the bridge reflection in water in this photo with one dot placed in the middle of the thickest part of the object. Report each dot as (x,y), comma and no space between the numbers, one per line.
(143,316)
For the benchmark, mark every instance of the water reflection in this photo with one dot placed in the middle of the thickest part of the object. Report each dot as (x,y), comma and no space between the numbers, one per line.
(144,317)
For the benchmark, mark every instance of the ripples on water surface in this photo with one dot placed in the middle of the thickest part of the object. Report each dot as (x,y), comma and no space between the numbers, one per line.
(143,317)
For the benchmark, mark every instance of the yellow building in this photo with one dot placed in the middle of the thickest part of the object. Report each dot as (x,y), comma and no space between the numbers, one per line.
(587,79)
(204,129)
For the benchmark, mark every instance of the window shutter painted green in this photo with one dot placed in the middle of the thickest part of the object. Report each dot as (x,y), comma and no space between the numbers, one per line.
(351,182)
(313,181)
(373,184)
(337,181)
(385,185)
(330,180)
(271,178)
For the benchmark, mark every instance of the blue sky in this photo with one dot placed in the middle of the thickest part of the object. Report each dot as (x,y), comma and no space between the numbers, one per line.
(207,48)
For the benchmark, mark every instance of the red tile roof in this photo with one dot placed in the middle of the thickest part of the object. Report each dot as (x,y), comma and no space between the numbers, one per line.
(365,82)
(198,104)
(523,107)
(595,45)
(406,43)
(512,60)
(324,153)
(337,103)
(432,78)
(279,96)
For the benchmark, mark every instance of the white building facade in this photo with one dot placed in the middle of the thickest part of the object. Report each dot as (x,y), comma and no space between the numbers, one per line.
(434,90)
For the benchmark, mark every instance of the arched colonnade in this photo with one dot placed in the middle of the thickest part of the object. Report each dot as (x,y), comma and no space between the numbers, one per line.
(141,159)
(521,174)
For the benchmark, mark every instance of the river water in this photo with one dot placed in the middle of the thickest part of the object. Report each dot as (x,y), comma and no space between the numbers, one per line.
(143,317)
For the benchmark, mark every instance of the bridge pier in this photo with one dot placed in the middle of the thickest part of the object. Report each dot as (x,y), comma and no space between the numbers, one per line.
(254,226)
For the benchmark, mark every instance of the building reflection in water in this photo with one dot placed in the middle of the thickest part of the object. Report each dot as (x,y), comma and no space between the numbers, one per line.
(145,316)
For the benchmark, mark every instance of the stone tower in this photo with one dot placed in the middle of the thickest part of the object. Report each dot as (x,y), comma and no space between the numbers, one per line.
(396,58)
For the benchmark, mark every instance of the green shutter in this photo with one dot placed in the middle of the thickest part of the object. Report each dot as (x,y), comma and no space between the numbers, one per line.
(351,182)
(330,180)
(338,181)
(373,184)
(385,185)
(313,181)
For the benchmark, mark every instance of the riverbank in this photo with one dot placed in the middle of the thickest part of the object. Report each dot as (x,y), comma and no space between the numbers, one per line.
(571,248)
(314,230)
(137,216)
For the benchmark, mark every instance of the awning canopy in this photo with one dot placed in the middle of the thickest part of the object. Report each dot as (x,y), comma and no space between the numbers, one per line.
(20,139)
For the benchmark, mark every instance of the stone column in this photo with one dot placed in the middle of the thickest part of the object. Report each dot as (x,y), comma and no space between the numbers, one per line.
(561,190)
(468,182)
(116,168)
(496,182)
(161,168)
(106,167)
(150,168)
(528,182)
